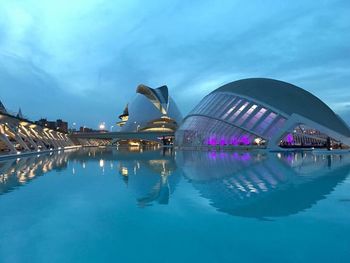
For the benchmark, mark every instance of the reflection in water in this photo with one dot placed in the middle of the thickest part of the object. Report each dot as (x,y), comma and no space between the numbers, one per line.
(263,185)
(16,172)
(258,185)
(151,177)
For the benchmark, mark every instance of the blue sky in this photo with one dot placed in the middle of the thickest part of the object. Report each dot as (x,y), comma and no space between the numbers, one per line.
(81,60)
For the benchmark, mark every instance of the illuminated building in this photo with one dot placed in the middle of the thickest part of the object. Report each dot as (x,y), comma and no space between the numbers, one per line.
(58,125)
(151,110)
(123,117)
(262,112)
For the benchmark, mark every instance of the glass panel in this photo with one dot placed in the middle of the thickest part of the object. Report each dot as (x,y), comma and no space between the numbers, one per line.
(265,123)
(246,115)
(225,107)
(275,127)
(213,105)
(218,109)
(241,108)
(236,103)
(208,104)
(250,124)
(201,104)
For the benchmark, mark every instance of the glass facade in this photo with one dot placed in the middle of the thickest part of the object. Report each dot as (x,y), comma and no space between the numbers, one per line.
(304,137)
(227,119)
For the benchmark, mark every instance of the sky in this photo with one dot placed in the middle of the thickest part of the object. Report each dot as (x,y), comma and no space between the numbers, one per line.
(82,60)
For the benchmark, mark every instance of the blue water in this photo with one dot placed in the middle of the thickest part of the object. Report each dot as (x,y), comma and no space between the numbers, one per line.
(104,205)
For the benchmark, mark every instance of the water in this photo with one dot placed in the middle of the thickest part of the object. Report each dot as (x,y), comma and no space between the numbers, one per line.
(103,205)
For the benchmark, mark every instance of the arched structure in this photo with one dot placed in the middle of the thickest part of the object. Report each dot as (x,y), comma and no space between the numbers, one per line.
(260,111)
(151,110)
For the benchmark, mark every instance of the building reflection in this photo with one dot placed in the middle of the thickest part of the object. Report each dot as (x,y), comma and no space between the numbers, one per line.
(150,177)
(16,172)
(263,185)
(246,184)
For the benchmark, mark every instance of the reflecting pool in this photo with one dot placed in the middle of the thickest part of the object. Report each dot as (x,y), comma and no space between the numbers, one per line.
(109,205)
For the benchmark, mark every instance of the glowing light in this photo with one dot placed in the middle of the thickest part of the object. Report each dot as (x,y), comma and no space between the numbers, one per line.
(245,140)
(289,138)
(102,163)
(124,171)
(102,126)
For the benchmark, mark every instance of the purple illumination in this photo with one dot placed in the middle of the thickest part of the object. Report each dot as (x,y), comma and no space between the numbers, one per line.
(235,156)
(245,140)
(212,155)
(234,141)
(222,141)
(212,140)
(289,138)
(223,155)
(245,157)
(242,157)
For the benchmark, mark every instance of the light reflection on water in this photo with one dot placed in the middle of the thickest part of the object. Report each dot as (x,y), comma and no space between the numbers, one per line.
(103,205)
(248,184)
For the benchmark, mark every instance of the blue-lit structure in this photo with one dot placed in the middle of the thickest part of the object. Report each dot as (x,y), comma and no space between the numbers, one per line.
(263,112)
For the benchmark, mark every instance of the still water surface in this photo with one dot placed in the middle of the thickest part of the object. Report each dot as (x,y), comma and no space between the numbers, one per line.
(108,205)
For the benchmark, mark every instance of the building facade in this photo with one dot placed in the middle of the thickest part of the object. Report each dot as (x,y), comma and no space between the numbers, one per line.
(263,112)
(151,110)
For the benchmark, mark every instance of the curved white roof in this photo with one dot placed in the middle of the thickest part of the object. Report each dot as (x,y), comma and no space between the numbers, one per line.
(289,99)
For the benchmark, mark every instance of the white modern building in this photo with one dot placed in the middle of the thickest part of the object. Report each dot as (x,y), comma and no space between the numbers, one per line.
(151,110)
(263,112)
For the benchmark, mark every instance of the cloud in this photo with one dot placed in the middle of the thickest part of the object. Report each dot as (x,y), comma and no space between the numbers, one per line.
(90,55)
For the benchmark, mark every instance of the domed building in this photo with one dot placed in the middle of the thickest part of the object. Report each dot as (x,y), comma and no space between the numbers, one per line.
(263,112)
(150,110)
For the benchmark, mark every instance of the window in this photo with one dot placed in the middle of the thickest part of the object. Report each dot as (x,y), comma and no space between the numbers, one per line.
(238,111)
(265,123)
(275,127)
(250,124)
(231,109)
(246,115)
(219,107)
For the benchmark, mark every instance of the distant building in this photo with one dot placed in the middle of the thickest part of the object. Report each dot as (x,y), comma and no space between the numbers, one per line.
(2,108)
(62,125)
(151,110)
(123,117)
(19,114)
(86,129)
(58,125)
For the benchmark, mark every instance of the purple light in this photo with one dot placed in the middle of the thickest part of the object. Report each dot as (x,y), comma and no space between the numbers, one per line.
(222,141)
(245,157)
(212,155)
(212,140)
(245,140)
(223,155)
(234,141)
(290,138)
(235,156)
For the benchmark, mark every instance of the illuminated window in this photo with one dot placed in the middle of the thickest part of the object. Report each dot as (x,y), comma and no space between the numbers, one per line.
(231,109)
(250,124)
(246,115)
(265,123)
(238,111)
